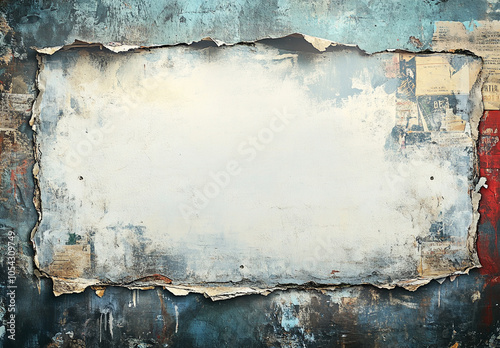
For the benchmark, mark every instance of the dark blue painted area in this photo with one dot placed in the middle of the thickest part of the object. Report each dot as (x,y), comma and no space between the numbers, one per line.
(465,311)
(436,316)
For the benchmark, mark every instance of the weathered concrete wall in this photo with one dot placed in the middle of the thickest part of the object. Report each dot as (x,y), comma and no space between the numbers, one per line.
(462,312)
(373,26)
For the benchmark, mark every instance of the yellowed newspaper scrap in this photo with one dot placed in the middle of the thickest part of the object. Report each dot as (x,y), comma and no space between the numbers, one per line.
(481,38)
(435,75)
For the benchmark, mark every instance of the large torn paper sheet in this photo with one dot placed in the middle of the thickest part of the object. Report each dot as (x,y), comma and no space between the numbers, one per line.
(248,168)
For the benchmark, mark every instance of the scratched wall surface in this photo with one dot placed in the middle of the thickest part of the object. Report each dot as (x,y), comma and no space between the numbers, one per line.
(461,312)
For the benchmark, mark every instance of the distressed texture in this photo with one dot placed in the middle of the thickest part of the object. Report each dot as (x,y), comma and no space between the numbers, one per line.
(374,26)
(459,313)
(480,37)
(177,162)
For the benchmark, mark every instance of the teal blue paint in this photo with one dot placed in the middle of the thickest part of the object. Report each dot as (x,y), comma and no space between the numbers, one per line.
(289,311)
(373,26)
(294,299)
(203,332)
(471,25)
(288,319)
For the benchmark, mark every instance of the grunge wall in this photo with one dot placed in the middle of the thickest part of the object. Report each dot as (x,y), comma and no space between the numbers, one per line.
(454,312)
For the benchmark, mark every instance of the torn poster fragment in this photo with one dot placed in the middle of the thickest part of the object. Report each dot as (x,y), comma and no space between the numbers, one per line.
(242,169)
(481,38)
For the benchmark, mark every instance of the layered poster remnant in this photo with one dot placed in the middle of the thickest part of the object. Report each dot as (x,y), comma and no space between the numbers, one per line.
(481,38)
(232,170)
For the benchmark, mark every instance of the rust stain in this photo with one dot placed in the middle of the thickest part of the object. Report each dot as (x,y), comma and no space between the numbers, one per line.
(4,26)
(348,302)
(6,58)
(415,42)
(155,277)
(165,333)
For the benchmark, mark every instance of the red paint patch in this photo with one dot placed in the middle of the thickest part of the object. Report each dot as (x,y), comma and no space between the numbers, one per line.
(489,207)
(489,164)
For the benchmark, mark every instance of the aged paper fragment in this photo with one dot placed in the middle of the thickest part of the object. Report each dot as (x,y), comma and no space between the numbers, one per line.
(483,39)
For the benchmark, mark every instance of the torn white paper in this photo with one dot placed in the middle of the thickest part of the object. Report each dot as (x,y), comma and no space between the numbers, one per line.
(253,166)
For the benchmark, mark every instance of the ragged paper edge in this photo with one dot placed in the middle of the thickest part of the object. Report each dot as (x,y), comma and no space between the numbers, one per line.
(112,46)
(475,96)
(37,201)
(320,44)
(227,291)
